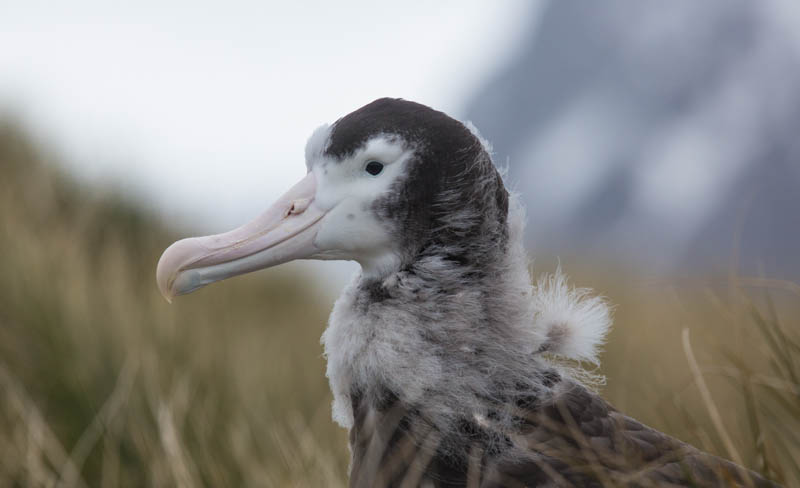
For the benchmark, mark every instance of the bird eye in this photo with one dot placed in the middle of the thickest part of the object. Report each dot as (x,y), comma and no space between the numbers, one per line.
(374,168)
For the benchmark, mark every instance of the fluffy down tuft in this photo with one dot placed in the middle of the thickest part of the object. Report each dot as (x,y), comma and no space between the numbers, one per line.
(573,322)
(487,146)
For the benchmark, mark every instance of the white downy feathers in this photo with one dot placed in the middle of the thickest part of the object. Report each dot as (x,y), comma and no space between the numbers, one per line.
(573,321)
(454,350)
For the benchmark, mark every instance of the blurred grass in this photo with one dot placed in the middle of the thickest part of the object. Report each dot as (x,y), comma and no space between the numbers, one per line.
(104,384)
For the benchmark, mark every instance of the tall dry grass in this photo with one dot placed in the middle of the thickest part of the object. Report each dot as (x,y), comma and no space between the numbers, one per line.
(713,361)
(104,384)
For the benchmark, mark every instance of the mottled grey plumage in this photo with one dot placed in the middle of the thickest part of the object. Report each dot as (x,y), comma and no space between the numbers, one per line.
(438,366)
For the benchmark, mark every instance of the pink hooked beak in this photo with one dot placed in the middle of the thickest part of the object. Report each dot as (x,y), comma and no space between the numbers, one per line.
(285,232)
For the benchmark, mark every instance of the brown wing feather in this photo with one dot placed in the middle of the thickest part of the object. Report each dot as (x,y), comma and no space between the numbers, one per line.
(588,443)
(572,439)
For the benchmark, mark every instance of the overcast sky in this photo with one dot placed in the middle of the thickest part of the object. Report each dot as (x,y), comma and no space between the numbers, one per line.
(203,109)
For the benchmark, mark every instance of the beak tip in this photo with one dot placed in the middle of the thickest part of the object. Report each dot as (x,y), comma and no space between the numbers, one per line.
(165,291)
(166,270)
(171,277)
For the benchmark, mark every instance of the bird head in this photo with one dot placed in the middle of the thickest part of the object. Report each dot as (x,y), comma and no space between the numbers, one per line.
(386,184)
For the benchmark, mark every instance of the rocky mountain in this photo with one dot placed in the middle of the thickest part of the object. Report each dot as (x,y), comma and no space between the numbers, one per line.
(663,134)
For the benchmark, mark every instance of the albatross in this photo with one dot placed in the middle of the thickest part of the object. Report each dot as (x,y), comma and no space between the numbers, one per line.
(442,354)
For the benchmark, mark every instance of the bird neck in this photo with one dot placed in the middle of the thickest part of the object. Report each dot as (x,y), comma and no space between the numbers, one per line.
(443,323)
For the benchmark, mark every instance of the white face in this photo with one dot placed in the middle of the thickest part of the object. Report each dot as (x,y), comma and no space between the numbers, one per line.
(329,214)
(346,191)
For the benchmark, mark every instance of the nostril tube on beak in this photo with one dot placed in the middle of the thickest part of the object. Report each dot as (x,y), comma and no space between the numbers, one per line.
(299,206)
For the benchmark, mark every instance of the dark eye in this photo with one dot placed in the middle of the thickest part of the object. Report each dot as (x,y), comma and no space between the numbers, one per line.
(374,168)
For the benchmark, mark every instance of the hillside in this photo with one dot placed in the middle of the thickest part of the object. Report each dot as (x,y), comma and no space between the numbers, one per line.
(102,383)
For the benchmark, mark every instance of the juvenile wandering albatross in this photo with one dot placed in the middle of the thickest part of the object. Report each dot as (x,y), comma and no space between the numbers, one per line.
(438,349)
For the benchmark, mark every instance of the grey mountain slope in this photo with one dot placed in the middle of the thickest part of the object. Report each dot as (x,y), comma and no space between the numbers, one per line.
(644,132)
